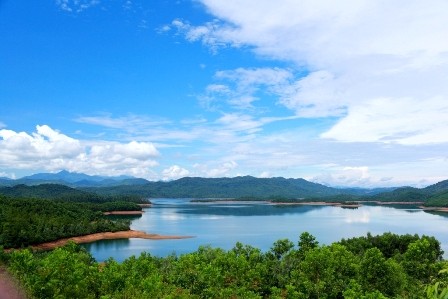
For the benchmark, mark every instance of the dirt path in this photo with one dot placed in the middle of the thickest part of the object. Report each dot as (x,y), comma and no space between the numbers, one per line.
(8,287)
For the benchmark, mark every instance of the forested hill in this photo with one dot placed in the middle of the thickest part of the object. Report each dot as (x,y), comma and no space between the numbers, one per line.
(434,195)
(64,193)
(237,187)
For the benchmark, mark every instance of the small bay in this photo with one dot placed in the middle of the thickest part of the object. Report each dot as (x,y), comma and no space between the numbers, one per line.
(259,224)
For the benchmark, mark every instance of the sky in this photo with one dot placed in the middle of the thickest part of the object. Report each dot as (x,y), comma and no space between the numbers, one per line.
(343,93)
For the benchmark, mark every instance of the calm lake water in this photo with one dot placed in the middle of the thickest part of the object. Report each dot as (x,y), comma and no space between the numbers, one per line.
(261,224)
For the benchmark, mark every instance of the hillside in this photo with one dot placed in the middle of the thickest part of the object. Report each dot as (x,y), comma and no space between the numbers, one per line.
(403,194)
(433,195)
(246,186)
(438,200)
(61,192)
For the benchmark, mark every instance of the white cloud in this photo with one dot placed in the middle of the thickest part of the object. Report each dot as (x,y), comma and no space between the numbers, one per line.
(130,122)
(76,5)
(265,174)
(347,176)
(254,147)
(219,170)
(414,122)
(174,172)
(239,87)
(2,125)
(7,175)
(359,55)
(48,149)
(45,143)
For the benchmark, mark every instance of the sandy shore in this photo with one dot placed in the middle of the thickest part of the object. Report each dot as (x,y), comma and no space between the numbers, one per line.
(320,203)
(123,213)
(397,202)
(106,236)
(435,209)
(145,205)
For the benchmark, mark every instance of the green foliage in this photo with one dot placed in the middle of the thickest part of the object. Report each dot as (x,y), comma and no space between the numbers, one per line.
(390,245)
(25,222)
(316,271)
(404,194)
(239,187)
(438,288)
(438,200)
(419,260)
(65,193)
(307,242)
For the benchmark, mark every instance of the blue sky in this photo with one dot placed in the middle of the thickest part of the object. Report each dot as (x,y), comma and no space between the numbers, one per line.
(347,94)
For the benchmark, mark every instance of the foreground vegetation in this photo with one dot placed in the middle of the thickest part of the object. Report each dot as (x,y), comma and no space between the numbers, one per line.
(25,222)
(387,266)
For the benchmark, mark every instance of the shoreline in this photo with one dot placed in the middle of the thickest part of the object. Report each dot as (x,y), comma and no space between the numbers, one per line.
(434,209)
(145,205)
(106,236)
(320,203)
(123,213)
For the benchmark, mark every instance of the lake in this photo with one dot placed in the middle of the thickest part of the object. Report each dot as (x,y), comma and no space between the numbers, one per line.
(260,224)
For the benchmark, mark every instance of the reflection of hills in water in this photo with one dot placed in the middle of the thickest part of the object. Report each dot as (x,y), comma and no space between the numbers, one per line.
(261,209)
(124,217)
(350,208)
(438,213)
(106,244)
(184,206)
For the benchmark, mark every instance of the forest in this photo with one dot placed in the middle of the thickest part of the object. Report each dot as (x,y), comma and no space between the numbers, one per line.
(385,266)
(25,221)
(240,188)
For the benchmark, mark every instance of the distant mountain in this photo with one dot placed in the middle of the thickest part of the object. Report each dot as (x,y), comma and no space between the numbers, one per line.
(5,181)
(367,192)
(243,186)
(237,187)
(74,179)
(434,195)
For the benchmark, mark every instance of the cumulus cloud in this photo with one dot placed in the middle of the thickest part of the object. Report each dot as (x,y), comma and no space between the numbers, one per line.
(44,143)
(51,150)
(414,122)
(174,172)
(350,57)
(347,176)
(214,171)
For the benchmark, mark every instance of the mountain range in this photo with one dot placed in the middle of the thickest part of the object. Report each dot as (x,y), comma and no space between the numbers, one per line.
(243,186)
(73,179)
(237,187)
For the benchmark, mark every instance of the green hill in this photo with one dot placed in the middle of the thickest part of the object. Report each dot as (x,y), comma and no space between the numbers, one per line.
(245,186)
(403,194)
(64,193)
(438,200)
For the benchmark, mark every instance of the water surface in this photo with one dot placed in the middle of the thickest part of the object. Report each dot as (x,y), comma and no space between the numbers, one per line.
(261,224)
